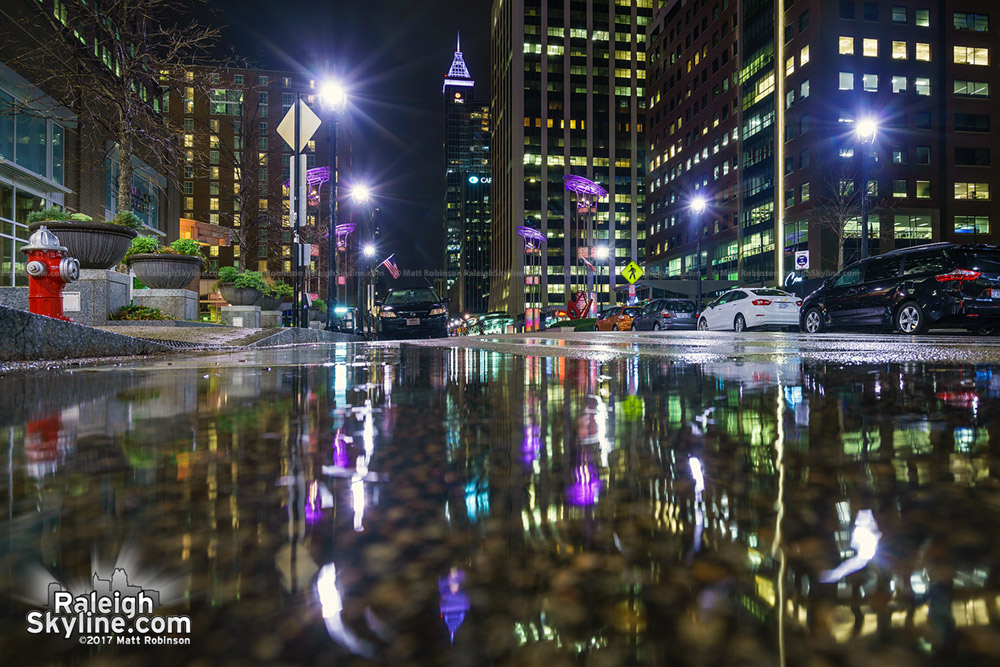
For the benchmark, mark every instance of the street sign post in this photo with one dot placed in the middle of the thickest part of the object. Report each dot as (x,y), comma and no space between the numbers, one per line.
(802,260)
(632,273)
(297,128)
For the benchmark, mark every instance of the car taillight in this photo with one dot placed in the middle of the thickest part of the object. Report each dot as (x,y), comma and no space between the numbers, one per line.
(798,303)
(665,313)
(761,302)
(958,274)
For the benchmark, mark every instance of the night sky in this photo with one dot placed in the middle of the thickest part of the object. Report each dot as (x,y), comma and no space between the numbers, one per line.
(393,55)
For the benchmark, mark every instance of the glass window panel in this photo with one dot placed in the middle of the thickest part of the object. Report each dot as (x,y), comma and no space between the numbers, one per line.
(31,144)
(58,153)
(25,203)
(6,126)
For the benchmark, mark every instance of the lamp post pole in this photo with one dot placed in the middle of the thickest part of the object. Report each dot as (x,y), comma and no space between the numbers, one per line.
(866,130)
(297,297)
(332,269)
(698,205)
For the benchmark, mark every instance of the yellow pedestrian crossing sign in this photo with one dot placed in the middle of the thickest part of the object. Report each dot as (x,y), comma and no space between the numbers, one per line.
(632,272)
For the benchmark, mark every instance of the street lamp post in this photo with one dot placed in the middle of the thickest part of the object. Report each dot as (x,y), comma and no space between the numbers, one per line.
(334,98)
(698,207)
(360,195)
(866,130)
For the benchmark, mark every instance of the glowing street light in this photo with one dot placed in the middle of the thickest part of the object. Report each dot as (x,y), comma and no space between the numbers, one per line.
(333,96)
(698,204)
(369,250)
(866,130)
(601,252)
(361,193)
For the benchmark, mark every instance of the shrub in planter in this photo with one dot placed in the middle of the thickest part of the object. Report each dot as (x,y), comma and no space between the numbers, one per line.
(173,267)
(134,312)
(97,245)
(275,294)
(241,288)
(318,310)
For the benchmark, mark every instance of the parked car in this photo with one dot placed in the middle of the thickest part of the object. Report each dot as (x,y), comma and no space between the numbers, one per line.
(617,318)
(911,290)
(749,308)
(417,311)
(665,314)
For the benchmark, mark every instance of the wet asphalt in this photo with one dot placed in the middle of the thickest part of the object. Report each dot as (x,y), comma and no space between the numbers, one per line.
(574,499)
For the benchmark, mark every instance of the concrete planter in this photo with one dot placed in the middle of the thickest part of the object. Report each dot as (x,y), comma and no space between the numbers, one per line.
(98,245)
(240,296)
(270,302)
(316,316)
(165,271)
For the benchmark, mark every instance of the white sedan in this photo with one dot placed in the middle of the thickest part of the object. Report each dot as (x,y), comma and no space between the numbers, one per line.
(751,307)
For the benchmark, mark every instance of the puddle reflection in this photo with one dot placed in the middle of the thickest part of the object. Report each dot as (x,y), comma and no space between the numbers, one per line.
(412,505)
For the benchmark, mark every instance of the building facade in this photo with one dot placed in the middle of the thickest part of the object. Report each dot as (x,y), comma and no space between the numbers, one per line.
(568,98)
(757,105)
(467,191)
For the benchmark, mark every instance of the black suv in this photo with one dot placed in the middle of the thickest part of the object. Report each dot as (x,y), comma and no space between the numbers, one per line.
(940,285)
(413,312)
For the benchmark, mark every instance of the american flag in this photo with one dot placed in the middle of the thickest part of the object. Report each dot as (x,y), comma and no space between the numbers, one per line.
(390,265)
(589,265)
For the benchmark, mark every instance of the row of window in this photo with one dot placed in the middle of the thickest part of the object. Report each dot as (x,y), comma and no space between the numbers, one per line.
(870,83)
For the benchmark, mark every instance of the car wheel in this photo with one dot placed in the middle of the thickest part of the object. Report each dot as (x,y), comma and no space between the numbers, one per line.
(910,318)
(813,321)
(986,331)
(703,324)
(739,324)
(656,326)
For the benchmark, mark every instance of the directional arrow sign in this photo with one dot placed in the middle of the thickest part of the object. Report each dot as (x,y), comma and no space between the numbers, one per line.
(632,272)
(307,126)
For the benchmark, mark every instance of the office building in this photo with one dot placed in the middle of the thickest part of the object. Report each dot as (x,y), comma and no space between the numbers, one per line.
(757,107)
(569,98)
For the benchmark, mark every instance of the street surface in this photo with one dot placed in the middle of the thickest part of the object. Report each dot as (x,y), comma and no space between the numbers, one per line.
(600,498)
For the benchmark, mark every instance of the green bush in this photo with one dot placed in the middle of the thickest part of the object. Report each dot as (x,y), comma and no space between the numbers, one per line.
(52,213)
(81,217)
(186,247)
(143,245)
(228,274)
(134,312)
(252,279)
(279,289)
(126,219)
(320,305)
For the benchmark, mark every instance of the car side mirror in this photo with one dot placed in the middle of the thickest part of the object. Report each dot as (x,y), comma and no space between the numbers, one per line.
(378,303)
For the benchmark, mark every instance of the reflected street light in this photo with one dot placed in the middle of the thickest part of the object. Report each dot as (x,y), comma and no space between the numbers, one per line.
(698,205)
(369,250)
(361,193)
(866,130)
(333,97)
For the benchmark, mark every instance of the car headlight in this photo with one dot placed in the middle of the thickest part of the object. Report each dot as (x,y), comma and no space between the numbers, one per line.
(387,313)
(438,311)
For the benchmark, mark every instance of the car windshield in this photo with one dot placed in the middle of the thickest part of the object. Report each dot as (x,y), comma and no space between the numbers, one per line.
(400,297)
(632,312)
(987,261)
(770,292)
(680,306)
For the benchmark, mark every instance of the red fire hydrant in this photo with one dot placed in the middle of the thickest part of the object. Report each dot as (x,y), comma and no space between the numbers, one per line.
(48,270)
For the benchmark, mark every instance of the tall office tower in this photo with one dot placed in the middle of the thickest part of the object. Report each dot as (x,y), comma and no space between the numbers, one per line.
(467,191)
(568,99)
(778,112)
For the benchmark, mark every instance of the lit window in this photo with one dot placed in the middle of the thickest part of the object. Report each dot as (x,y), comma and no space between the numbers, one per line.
(966,21)
(972,55)
(899,84)
(870,47)
(923,51)
(899,51)
(899,189)
(213,203)
(898,14)
(790,66)
(846,81)
(922,85)
(804,56)
(979,191)
(923,18)
(923,189)
(870,82)
(972,224)
(846,46)
(972,88)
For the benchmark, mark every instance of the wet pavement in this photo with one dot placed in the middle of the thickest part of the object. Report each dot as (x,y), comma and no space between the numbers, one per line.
(577,500)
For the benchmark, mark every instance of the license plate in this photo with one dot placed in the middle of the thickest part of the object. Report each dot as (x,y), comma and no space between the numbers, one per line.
(412,321)
(994,294)
(782,305)
(683,315)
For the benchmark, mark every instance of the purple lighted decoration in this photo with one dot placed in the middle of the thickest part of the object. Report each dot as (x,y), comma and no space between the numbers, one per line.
(533,239)
(454,601)
(315,176)
(585,488)
(584,186)
(342,232)
(313,508)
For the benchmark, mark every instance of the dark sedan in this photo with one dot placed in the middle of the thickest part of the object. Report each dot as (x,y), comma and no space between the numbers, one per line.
(941,285)
(413,313)
(665,314)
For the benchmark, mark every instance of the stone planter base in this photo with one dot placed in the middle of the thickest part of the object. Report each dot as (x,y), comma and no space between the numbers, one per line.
(177,304)
(95,296)
(270,319)
(240,316)
(165,271)
(98,245)
(242,296)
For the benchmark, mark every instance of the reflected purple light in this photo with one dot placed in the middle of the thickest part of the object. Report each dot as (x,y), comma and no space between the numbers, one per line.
(313,508)
(340,456)
(532,444)
(454,601)
(586,486)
